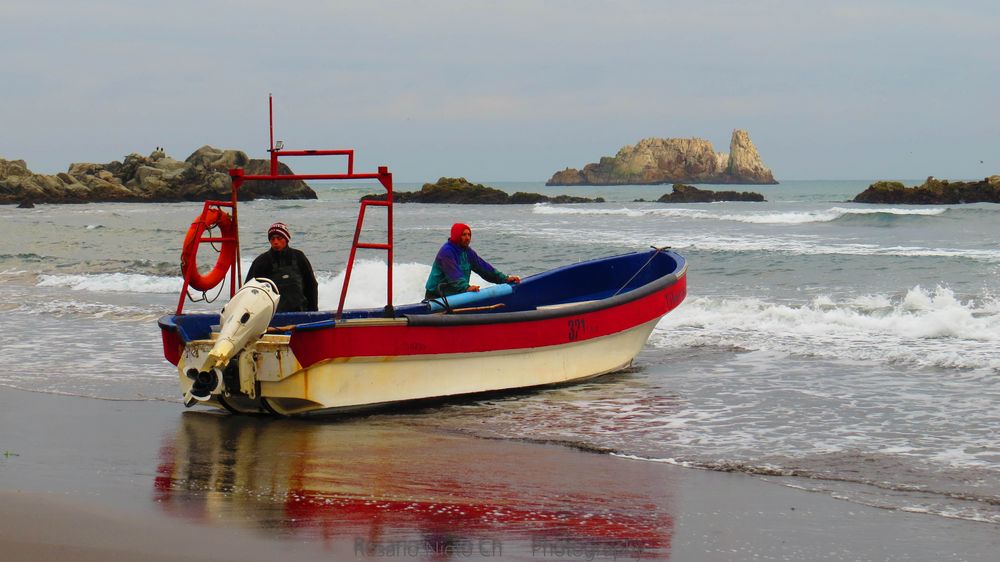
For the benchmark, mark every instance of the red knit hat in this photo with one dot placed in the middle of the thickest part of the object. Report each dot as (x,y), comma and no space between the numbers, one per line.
(456,232)
(281,229)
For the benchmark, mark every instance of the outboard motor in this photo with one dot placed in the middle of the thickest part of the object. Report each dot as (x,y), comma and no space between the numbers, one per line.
(243,321)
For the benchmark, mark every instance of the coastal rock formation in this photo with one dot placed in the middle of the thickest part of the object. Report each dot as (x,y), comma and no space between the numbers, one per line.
(932,192)
(461,191)
(690,194)
(656,160)
(154,178)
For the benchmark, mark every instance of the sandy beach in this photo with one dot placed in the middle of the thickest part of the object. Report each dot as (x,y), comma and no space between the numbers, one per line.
(733,281)
(86,479)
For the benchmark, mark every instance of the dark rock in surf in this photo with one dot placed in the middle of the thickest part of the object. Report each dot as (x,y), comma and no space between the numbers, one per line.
(932,192)
(522,197)
(690,194)
(463,192)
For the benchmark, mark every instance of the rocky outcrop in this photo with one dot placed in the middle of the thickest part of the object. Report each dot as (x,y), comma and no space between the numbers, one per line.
(154,178)
(461,191)
(932,192)
(656,161)
(745,163)
(690,194)
(525,198)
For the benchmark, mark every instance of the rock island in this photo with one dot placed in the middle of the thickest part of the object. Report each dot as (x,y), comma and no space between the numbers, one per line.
(657,160)
(154,178)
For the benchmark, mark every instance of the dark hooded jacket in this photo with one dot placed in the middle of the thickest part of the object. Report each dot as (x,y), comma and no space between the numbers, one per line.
(293,274)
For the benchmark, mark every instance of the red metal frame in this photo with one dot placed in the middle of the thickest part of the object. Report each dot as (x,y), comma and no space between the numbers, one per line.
(383,175)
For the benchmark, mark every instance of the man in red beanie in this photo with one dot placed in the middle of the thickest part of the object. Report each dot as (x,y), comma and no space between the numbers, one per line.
(455,263)
(289,269)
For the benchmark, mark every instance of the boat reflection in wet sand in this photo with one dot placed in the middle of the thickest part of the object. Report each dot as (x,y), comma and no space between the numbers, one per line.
(568,324)
(375,486)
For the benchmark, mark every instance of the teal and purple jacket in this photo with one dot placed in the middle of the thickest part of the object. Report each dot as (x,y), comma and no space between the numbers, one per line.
(452,268)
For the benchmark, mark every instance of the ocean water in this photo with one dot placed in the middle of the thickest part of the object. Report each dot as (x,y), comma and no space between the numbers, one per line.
(847,349)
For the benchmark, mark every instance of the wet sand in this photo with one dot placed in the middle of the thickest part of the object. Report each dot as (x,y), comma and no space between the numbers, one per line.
(85,479)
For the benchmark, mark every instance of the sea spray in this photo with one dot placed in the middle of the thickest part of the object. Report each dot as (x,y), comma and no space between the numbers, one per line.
(922,328)
(367,288)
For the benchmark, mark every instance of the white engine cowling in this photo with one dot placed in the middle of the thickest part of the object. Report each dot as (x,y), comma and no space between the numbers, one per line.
(244,320)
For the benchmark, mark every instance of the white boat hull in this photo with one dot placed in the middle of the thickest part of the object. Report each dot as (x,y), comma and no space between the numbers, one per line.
(349,384)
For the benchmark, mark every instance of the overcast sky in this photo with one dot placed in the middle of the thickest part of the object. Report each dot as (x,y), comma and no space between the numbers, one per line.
(508,90)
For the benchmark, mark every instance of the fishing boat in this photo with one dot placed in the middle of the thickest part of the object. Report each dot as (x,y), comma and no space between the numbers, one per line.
(569,324)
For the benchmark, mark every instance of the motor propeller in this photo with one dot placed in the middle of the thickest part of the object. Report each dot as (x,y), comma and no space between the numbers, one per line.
(204,383)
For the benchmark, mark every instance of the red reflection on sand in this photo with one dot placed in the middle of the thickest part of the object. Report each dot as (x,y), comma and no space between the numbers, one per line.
(374,485)
(375,518)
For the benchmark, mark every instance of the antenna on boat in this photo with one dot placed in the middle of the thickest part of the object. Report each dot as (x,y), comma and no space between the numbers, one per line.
(270,120)
(275,146)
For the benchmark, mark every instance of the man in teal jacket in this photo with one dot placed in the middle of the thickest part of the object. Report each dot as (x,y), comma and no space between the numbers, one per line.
(455,263)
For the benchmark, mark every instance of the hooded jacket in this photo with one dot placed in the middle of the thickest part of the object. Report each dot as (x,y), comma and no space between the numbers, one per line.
(293,274)
(452,268)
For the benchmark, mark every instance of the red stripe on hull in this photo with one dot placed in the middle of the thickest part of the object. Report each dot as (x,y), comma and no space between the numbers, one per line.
(311,347)
(173,346)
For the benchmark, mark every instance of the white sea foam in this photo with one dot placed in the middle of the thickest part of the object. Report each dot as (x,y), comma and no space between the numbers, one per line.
(672,461)
(114,282)
(923,328)
(826,215)
(546,209)
(60,308)
(802,245)
(792,217)
(367,288)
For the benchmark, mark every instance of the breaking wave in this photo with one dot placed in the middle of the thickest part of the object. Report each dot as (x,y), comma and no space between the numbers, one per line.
(924,328)
(791,218)
(113,282)
(786,244)
(367,287)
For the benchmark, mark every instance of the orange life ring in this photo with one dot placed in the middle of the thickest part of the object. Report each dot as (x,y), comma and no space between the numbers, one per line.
(211,218)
